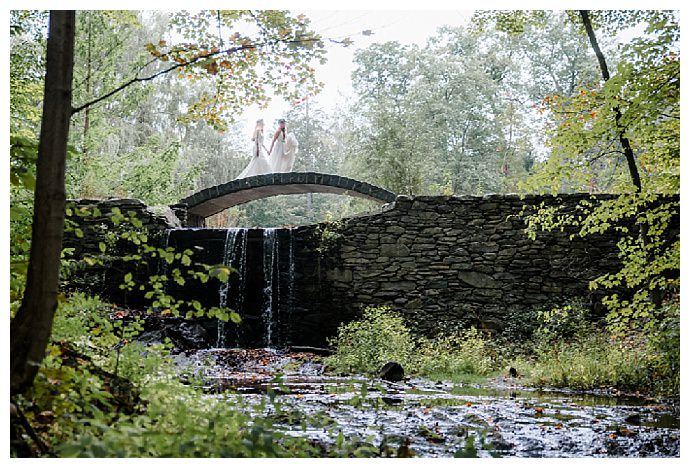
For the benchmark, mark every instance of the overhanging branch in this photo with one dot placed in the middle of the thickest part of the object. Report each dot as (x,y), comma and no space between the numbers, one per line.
(176,66)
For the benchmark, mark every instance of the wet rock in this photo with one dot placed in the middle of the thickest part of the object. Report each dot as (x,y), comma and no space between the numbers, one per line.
(189,335)
(635,419)
(392,371)
(393,401)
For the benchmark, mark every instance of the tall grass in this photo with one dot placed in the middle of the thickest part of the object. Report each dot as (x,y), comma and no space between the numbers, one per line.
(565,349)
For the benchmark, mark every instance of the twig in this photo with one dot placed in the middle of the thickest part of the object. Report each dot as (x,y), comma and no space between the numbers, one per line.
(42,447)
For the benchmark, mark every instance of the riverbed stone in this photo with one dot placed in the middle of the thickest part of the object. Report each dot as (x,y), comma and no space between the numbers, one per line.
(392,371)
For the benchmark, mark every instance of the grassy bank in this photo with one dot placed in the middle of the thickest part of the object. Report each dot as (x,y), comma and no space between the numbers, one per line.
(563,349)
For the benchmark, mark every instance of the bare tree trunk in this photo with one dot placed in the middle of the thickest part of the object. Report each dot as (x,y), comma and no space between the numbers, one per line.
(85,145)
(30,329)
(625,143)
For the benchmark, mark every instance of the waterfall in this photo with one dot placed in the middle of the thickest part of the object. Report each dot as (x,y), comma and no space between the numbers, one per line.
(261,288)
(243,270)
(228,259)
(291,278)
(240,304)
(270,253)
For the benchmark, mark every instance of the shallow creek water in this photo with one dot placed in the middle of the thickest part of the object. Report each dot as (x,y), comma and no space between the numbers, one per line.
(419,417)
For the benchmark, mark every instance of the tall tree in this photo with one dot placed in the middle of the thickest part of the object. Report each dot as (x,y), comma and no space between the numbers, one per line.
(620,130)
(631,116)
(30,328)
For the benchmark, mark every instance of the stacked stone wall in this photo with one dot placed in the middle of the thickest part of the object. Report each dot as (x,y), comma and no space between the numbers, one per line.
(450,260)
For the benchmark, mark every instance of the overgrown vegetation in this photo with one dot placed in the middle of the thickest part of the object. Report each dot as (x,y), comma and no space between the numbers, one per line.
(565,349)
(381,335)
(365,345)
(101,393)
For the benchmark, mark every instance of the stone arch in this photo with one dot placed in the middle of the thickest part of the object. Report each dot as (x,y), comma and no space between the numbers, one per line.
(213,200)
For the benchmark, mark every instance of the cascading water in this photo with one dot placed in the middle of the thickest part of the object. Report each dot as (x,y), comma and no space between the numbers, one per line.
(228,259)
(270,242)
(260,288)
(291,277)
(243,270)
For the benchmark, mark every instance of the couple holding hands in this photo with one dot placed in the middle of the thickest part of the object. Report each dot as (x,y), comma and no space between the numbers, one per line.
(279,158)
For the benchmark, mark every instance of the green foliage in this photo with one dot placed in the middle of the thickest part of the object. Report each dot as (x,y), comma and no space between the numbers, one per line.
(564,322)
(180,423)
(381,336)
(91,352)
(562,348)
(276,56)
(367,344)
(569,350)
(463,352)
(152,172)
(641,99)
(456,116)
(27,56)
(446,118)
(124,233)
(292,210)
(592,362)
(665,344)
(328,235)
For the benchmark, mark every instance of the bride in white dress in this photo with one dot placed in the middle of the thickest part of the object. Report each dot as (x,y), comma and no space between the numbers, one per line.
(283,150)
(259,164)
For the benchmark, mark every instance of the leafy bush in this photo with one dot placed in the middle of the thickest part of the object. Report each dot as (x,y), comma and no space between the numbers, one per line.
(366,344)
(381,336)
(92,369)
(180,422)
(563,322)
(665,352)
(569,350)
(465,352)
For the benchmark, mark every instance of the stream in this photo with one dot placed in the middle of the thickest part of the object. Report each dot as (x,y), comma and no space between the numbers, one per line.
(419,417)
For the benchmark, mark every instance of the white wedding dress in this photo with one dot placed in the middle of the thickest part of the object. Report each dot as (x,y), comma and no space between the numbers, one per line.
(259,163)
(282,157)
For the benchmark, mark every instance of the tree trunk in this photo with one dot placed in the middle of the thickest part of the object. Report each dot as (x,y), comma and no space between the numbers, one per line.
(625,143)
(31,327)
(85,145)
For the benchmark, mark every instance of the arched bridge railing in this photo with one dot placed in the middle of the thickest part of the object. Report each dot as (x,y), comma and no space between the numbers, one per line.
(213,200)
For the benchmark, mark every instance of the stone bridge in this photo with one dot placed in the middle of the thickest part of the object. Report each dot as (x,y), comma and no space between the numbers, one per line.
(213,200)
